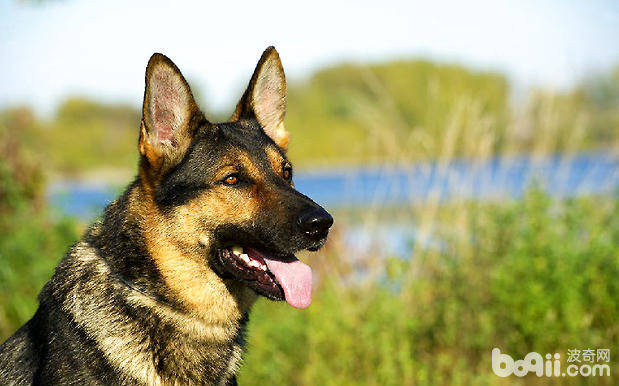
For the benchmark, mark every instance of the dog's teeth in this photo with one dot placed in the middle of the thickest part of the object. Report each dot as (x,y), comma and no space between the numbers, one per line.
(263,267)
(237,250)
(245,258)
(254,264)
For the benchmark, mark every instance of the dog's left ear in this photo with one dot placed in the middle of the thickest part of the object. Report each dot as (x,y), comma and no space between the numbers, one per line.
(265,98)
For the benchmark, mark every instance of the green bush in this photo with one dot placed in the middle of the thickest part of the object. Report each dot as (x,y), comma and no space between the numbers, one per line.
(533,275)
(31,243)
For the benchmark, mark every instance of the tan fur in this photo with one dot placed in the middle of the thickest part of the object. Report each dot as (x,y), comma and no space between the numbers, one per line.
(275,159)
(175,243)
(147,150)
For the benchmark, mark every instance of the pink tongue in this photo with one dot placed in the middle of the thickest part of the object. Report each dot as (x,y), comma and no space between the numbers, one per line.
(295,278)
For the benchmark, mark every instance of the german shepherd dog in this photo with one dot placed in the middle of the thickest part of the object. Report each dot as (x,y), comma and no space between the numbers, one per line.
(159,290)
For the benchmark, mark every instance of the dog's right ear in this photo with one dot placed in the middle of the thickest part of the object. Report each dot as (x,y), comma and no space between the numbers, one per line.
(170,115)
(265,98)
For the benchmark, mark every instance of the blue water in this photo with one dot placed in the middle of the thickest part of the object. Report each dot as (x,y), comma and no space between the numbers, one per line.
(497,178)
(493,179)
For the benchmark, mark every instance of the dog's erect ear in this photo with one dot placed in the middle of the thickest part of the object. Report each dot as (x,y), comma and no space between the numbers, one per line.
(170,115)
(265,98)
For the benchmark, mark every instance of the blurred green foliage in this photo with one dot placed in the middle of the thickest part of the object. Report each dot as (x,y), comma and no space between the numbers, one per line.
(82,135)
(533,275)
(333,115)
(31,243)
(86,134)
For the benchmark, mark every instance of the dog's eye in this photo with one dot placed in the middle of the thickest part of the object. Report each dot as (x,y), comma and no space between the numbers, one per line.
(287,173)
(232,179)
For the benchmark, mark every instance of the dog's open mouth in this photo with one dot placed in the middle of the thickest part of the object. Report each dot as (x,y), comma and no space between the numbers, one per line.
(277,279)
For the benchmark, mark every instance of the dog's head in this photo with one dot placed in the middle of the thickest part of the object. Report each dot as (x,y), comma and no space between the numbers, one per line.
(220,203)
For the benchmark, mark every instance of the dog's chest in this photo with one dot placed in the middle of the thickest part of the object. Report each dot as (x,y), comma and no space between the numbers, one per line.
(179,359)
(149,342)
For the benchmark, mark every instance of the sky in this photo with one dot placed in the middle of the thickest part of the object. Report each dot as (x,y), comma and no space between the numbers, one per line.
(56,48)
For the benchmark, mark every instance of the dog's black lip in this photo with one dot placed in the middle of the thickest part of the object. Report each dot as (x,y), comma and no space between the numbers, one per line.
(227,268)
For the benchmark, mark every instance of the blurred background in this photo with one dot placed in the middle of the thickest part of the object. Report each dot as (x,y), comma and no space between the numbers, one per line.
(468,151)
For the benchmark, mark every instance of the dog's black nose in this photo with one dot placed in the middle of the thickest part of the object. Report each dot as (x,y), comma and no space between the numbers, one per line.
(315,221)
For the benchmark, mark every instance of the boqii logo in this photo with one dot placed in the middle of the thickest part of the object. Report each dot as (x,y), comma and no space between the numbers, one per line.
(503,365)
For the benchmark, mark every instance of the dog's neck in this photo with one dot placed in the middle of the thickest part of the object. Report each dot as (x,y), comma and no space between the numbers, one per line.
(137,246)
